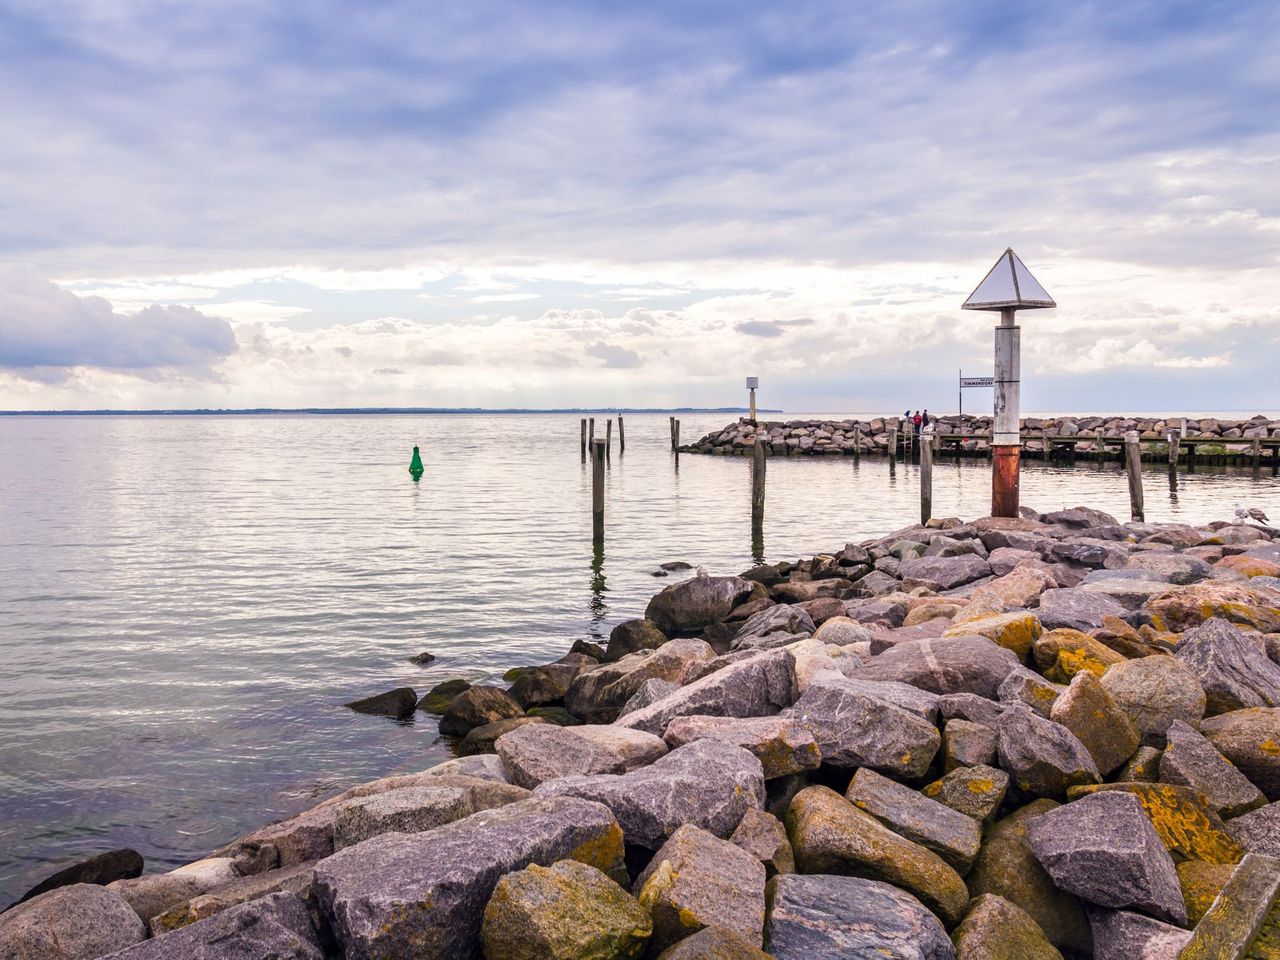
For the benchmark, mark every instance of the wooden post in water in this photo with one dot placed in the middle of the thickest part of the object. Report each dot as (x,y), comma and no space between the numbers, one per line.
(675,438)
(1173,439)
(622,437)
(857,441)
(757,489)
(672,427)
(1133,467)
(597,492)
(584,438)
(591,430)
(608,437)
(893,442)
(926,475)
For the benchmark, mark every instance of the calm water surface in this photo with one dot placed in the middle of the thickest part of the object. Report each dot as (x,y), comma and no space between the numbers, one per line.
(185,601)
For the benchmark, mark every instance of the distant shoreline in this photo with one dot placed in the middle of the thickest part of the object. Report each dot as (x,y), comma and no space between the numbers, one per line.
(331,411)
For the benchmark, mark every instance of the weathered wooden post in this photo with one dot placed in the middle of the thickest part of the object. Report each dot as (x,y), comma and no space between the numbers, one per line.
(584,438)
(672,427)
(591,430)
(893,442)
(675,438)
(752,384)
(597,491)
(857,441)
(757,489)
(1173,438)
(926,475)
(1133,467)
(622,436)
(1007,287)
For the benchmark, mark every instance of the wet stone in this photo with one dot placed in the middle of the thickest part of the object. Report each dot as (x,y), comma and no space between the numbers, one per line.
(438,698)
(632,635)
(400,703)
(475,707)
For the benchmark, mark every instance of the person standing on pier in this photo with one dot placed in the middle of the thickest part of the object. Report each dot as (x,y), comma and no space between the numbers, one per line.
(916,421)
(924,418)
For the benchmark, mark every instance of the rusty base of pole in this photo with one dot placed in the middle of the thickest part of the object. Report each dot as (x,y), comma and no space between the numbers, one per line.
(1004,481)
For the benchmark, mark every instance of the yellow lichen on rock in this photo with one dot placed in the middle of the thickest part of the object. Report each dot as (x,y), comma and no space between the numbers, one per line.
(1183,819)
(1015,631)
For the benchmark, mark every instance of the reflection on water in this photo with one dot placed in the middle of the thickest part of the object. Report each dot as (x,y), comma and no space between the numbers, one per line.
(180,615)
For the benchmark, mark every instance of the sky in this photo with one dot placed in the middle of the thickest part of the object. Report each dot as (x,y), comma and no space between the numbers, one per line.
(573,204)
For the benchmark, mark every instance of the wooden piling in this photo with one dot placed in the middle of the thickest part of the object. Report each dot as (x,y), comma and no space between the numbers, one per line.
(1173,439)
(597,491)
(757,488)
(622,436)
(893,443)
(584,438)
(672,427)
(1133,467)
(608,437)
(591,430)
(926,475)
(675,441)
(857,441)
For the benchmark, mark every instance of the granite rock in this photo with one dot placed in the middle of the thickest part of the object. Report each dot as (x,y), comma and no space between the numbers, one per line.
(274,927)
(696,603)
(1155,692)
(1192,761)
(953,836)
(976,792)
(1087,710)
(782,745)
(1233,671)
(1250,739)
(1042,757)
(996,929)
(81,921)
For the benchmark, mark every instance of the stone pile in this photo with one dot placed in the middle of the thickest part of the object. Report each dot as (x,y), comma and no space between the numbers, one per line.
(1043,737)
(836,437)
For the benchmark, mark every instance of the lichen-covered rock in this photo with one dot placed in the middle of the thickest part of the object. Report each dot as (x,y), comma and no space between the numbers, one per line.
(437,699)
(155,893)
(697,880)
(943,573)
(406,894)
(967,744)
(1076,609)
(1259,831)
(81,921)
(856,729)
(976,792)
(1251,740)
(1234,672)
(568,911)
(298,880)
(782,745)
(1143,765)
(1016,630)
(1007,867)
(713,943)
(1043,758)
(1154,692)
(763,836)
(812,917)
(545,684)
(1103,849)
(706,783)
(1234,921)
(1063,652)
(996,929)
(632,635)
(758,686)
(1183,608)
(1192,761)
(476,706)
(1028,687)
(953,836)
(696,603)
(1201,883)
(1087,710)
(965,664)
(830,835)
(274,927)
(534,754)
(1182,818)
(1124,935)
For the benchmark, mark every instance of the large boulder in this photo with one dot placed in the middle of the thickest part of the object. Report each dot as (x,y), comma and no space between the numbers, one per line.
(1259,831)
(1016,630)
(399,703)
(1243,603)
(1077,609)
(782,745)
(274,927)
(943,573)
(830,835)
(1043,758)
(82,921)
(1155,692)
(534,754)
(976,792)
(713,943)
(1063,652)
(482,739)
(632,635)
(820,917)
(1007,867)
(1251,740)
(1087,710)
(855,728)
(1234,671)
(477,706)
(965,664)
(697,880)
(101,869)
(1103,849)
(706,783)
(951,835)
(424,893)
(760,685)
(1192,761)
(568,911)
(545,684)
(1124,935)
(155,893)
(696,603)
(996,929)
(1183,820)
(677,661)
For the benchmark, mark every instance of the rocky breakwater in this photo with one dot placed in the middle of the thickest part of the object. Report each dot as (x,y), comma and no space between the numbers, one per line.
(836,437)
(1043,737)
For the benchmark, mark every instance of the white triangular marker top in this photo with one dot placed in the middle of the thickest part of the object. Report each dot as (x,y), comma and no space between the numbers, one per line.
(1008,284)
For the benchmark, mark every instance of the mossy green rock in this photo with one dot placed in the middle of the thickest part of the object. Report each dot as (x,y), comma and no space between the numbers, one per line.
(1007,867)
(831,836)
(568,911)
(995,929)
(438,698)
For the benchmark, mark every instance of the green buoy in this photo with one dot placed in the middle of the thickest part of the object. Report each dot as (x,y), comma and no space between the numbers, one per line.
(415,465)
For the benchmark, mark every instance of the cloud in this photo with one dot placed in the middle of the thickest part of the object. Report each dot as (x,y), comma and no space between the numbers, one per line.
(46,332)
(617,357)
(770,328)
